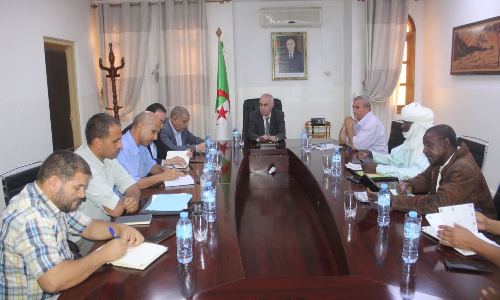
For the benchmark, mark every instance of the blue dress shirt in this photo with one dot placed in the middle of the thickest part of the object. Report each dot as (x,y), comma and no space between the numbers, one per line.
(135,159)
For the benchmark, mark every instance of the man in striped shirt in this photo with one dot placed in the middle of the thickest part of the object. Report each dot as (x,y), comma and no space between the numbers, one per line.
(35,259)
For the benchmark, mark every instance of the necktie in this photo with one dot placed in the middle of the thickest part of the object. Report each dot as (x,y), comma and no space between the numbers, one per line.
(291,55)
(267,126)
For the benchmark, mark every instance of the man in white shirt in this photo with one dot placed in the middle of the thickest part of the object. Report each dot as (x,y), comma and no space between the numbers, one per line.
(407,160)
(103,134)
(364,131)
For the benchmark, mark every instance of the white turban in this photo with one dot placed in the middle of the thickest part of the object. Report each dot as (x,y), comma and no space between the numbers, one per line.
(423,119)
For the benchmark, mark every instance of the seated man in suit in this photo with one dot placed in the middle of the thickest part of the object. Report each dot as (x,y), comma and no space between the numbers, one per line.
(267,123)
(36,262)
(103,134)
(452,178)
(365,131)
(407,160)
(175,134)
(136,159)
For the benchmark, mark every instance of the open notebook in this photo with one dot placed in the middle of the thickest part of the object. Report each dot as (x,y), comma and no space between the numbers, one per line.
(139,257)
(181,154)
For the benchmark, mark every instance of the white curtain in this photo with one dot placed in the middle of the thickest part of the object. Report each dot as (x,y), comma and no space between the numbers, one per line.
(385,39)
(176,62)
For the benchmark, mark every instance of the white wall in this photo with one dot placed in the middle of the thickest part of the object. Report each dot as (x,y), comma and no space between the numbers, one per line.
(24,108)
(468,103)
(319,95)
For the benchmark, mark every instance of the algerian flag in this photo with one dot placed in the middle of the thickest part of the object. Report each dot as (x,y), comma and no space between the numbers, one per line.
(222,104)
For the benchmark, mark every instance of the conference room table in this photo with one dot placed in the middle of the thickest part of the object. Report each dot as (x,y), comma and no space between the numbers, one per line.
(285,236)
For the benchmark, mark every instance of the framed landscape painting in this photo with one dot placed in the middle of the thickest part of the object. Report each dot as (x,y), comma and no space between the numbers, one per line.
(476,48)
(289,52)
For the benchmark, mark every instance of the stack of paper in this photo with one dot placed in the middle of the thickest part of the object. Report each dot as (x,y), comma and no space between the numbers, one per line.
(354,167)
(463,215)
(182,180)
(169,202)
(134,220)
(139,257)
(323,147)
(181,154)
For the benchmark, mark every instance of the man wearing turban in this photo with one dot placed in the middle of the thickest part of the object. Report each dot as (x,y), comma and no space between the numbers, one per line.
(407,160)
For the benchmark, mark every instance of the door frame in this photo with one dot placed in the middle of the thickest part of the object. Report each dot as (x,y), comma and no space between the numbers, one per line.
(69,49)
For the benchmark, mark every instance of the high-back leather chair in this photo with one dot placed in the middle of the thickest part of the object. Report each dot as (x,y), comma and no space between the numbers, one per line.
(477,147)
(14,182)
(253,104)
(496,201)
(396,138)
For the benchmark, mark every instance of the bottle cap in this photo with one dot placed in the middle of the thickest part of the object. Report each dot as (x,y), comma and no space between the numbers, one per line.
(184,214)
(336,149)
(208,183)
(384,185)
(208,134)
(208,156)
(235,128)
(413,214)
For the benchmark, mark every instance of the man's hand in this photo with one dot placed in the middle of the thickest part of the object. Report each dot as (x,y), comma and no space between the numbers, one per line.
(170,174)
(364,153)
(114,249)
(349,121)
(369,167)
(130,235)
(490,294)
(190,154)
(273,139)
(482,221)
(407,186)
(176,161)
(372,196)
(263,138)
(200,147)
(457,237)
(130,204)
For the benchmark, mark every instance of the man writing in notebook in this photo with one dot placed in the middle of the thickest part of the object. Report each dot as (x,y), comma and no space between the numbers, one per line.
(135,157)
(111,190)
(35,259)
(452,178)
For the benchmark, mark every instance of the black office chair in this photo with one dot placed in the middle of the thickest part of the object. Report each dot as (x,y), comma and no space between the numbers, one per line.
(253,104)
(396,138)
(477,147)
(496,201)
(14,183)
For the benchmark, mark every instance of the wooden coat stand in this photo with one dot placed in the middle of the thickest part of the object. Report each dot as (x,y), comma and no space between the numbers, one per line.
(113,74)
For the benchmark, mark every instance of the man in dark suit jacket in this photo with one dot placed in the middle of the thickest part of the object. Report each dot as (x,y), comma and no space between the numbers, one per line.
(157,148)
(291,61)
(175,134)
(274,119)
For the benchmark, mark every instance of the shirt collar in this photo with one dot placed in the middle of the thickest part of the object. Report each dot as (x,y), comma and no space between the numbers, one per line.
(264,118)
(130,144)
(365,119)
(446,162)
(49,205)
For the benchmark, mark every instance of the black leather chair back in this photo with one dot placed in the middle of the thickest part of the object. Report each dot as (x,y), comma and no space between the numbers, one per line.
(496,201)
(477,147)
(13,183)
(253,104)
(396,138)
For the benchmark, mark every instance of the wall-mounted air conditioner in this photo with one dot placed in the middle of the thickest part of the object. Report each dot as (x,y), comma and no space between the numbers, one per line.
(291,17)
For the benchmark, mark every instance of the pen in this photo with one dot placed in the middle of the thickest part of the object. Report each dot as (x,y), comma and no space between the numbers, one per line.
(113,232)
(404,190)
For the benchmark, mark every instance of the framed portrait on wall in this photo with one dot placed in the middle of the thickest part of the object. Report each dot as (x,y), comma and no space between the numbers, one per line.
(289,53)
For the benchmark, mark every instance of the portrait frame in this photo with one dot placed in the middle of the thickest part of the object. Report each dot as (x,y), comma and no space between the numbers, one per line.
(284,65)
(475,48)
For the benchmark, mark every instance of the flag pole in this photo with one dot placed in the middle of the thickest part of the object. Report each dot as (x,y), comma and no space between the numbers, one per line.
(219,33)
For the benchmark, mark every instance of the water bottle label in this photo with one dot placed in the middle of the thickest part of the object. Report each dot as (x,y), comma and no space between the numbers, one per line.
(411,231)
(184,231)
(384,200)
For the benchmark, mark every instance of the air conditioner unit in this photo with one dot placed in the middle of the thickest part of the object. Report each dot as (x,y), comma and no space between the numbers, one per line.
(291,17)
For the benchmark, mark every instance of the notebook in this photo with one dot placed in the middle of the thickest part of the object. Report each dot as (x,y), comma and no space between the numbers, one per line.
(180,181)
(139,257)
(166,204)
(181,154)
(134,220)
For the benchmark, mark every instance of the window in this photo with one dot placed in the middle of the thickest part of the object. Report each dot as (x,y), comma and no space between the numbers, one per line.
(407,77)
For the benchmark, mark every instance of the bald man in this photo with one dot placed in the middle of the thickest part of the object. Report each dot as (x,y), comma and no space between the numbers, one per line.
(135,157)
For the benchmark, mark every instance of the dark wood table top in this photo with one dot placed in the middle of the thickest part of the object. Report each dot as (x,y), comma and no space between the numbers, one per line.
(285,236)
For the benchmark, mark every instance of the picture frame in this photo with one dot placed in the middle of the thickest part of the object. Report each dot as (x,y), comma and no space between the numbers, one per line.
(289,55)
(475,48)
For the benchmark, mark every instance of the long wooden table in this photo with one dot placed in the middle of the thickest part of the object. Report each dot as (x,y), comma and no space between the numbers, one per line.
(285,236)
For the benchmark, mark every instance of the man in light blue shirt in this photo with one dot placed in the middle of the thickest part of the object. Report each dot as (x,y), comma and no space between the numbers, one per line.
(135,157)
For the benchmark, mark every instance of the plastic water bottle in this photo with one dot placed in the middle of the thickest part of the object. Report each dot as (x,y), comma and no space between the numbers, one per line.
(203,180)
(410,239)
(236,137)
(336,163)
(208,141)
(209,202)
(303,139)
(208,162)
(213,153)
(384,206)
(184,232)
